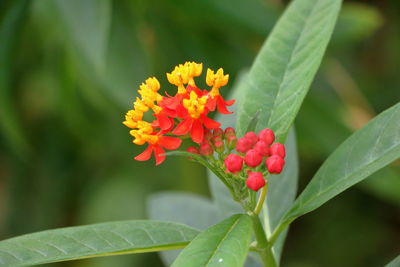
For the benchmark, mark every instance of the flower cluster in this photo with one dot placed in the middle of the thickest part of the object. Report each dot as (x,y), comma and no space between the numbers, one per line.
(254,150)
(185,113)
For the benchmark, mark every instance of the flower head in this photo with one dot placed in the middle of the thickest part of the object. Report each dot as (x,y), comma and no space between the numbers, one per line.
(184,113)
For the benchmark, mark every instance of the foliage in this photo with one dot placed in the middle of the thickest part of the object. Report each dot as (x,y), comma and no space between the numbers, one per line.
(68,73)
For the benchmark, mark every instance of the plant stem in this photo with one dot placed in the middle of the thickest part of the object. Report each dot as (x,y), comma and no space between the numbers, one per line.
(263,246)
(261,199)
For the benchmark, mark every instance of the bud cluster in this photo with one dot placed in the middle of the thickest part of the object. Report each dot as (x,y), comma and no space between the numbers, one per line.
(218,140)
(255,152)
(257,155)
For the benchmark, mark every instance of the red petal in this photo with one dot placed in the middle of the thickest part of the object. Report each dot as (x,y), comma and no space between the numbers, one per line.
(197,132)
(211,103)
(158,152)
(183,127)
(145,155)
(169,142)
(209,123)
(181,111)
(222,106)
(164,122)
(230,102)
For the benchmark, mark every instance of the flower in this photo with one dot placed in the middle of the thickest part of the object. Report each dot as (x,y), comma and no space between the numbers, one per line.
(194,118)
(217,80)
(157,142)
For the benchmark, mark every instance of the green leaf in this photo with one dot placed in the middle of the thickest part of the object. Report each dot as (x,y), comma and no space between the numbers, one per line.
(284,68)
(95,240)
(189,209)
(224,244)
(193,210)
(394,263)
(366,151)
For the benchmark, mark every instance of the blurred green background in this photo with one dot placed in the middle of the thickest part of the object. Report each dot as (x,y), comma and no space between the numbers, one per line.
(69,70)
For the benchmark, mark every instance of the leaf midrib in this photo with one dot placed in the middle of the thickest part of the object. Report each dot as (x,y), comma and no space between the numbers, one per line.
(288,63)
(333,185)
(222,240)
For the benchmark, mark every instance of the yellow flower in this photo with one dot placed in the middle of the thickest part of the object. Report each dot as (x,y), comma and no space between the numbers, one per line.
(184,74)
(195,105)
(216,80)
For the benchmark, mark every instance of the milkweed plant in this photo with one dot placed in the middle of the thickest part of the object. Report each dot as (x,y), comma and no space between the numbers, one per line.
(252,159)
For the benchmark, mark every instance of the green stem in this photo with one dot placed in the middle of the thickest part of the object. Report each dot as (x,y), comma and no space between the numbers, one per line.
(261,199)
(282,226)
(263,246)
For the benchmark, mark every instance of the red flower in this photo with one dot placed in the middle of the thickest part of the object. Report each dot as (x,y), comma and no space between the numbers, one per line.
(194,117)
(162,142)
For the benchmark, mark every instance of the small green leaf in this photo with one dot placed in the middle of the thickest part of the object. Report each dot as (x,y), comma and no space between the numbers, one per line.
(285,67)
(224,244)
(95,240)
(394,263)
(363,153)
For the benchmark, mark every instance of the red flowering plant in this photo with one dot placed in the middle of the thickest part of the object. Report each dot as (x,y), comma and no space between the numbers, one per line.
(256,162)
(243,164)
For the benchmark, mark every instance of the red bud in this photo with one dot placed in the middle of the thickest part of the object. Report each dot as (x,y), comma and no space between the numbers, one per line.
(262,148)
(206,149)
(219,146)
(243,145)
(252,137)
(267,135)
(252,158)
(218,132)
(233,163)
(231,141)
(255,181)
(278,149)
(207,134)
(229,132)
(275,164)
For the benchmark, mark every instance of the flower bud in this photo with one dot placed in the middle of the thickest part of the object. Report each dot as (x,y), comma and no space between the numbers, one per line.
(233,163)
(229,132)
(206,149)
(193,150)
(218,132)
(252,158)
(219,146)
(252,137)
(275,164)
(262,148)
(243,145)
(267,135)
(255,181)
(278,149)
(207,134)
(231,141)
